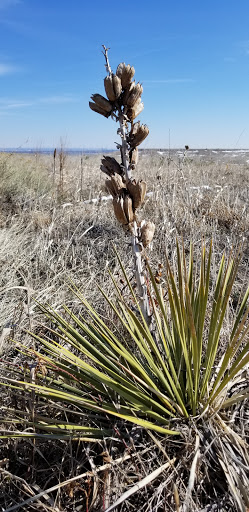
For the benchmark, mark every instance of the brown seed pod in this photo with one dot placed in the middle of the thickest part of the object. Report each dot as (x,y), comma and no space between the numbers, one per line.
(137,190)
(134,95)
(128,209)
(110,166)
(115,185)
(118,206)
(138,134)
(117,87)
(98,109)
(128,91)
(102,102)
(133,112)
(109,88)
(133,158)
(141,135)
(147,232)
(113,87)
(125,73)
(135,129)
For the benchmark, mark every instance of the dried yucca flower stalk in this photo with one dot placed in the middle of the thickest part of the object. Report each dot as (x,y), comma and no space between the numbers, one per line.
(124,104)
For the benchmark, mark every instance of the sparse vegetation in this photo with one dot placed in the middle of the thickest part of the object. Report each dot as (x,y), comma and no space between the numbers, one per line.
(103,408)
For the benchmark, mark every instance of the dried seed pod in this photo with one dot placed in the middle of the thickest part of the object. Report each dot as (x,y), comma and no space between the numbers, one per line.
(115,185)
(118,206)
(135,128)
(109,88)
(137,190)
(117,86)
(138,134)
(102,102)
(133,112)
(133,158)
(147,232)
(141,135)
(127,92)
(134,95)
(128,209)
(113,87)
(125,73)
(99,110)
(110,166)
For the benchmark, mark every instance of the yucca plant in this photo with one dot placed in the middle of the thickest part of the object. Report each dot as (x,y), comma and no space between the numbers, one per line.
(176,371)
(164,365)
(176,375)
(163,380)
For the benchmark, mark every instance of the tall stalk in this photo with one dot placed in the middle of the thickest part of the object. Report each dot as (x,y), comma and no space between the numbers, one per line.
(123,104)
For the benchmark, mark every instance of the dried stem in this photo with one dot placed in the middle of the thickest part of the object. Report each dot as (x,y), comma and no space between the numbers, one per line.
(136,244)
(124,109)
(107,65)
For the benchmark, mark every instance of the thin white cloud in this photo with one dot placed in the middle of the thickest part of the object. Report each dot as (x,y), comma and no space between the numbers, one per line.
(7,104)
(6,69)
(67,98)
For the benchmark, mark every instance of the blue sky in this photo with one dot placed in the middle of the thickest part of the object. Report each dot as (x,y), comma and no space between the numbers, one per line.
(191,57)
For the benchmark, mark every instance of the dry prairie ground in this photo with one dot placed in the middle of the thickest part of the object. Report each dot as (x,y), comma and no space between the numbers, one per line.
(51,233)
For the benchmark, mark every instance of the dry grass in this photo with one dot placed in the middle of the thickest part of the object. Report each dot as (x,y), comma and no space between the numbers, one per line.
(48,236)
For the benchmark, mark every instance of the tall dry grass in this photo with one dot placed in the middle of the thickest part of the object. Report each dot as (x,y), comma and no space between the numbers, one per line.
(51,234)
(48,237)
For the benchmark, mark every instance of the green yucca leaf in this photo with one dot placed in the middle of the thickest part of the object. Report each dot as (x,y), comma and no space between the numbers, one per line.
(169,371)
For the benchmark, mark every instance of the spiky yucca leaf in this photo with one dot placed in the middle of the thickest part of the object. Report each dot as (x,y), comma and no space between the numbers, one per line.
(146,378)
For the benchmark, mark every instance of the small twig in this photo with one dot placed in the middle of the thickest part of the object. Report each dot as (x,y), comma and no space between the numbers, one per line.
(105,53)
